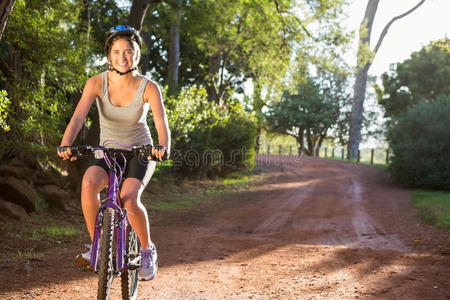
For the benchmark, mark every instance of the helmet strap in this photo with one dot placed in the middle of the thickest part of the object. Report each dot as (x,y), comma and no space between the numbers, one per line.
(123,73)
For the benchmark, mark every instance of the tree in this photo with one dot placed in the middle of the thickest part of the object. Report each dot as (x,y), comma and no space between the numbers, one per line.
(307,114)
(365,57)
(39,40)
(174,47)
(421,78)
(215,56)
(6,7)
(138,12)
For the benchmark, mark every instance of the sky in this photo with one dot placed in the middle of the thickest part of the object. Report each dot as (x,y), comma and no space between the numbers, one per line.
(429,22)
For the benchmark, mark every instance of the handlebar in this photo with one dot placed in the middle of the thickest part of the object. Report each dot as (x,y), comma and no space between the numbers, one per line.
(142,150)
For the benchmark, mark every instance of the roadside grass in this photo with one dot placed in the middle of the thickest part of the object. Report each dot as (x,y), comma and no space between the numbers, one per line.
(194,193)
(434,206)
(42,228)
(26,254)
(50,232)
(30,240)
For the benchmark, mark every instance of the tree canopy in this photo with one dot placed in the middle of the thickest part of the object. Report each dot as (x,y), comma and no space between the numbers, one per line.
(310,111)
(50,48)
(421,78)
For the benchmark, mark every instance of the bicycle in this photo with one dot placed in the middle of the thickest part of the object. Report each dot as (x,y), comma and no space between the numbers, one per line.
(120,248)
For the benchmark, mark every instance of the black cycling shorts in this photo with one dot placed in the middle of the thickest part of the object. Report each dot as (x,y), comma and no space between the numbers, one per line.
(137,167)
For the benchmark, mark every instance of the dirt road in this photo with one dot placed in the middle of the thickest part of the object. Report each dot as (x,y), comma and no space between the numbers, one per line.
(306,229)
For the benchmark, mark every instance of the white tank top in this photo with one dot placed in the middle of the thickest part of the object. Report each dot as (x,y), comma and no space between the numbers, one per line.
(123,124)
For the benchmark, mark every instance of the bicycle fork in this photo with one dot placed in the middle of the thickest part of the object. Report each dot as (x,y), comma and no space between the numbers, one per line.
(120,228)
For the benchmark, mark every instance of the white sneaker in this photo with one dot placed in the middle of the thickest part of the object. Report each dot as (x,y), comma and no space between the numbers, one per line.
(149,265)
(84,259)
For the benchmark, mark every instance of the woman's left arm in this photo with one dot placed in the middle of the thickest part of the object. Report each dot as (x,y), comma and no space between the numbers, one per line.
(153,96)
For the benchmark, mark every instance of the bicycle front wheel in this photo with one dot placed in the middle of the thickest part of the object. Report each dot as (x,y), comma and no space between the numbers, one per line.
(130,275)
(106,273)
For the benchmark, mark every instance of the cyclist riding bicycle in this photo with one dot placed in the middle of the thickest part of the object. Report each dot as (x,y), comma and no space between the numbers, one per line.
(123,98)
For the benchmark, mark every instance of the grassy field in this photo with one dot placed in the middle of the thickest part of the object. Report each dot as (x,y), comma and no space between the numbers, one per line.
(434,206)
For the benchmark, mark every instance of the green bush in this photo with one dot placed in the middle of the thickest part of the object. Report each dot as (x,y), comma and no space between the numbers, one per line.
(4,108)
(209,139)
(421,144)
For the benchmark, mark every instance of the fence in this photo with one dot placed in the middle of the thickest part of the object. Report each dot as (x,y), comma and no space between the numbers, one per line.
(372,156)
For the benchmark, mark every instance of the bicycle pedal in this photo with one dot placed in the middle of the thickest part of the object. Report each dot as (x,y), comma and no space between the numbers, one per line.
(81,262)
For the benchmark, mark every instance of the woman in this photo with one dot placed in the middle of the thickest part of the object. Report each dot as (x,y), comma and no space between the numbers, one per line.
(123,97)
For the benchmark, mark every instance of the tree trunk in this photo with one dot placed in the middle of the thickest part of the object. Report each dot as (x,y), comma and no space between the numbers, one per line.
(174,48)
(144,65)
(310,143)
(359,89)
(6,7)
(86,19)
(365,58)
(257,106)
(319,143)
(138,11)
(258,139)
(210,84)
(359,94)
(300,141)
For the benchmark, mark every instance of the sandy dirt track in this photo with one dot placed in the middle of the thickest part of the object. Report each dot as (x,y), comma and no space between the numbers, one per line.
(306,229)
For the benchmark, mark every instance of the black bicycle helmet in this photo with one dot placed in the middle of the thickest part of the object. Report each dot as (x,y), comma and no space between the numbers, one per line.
(121,30)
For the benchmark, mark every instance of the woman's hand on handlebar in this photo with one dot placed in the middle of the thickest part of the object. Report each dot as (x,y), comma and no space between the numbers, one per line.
(159,152)
(65,153)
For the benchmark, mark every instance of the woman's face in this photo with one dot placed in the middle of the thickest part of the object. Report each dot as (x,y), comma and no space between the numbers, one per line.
(122,55)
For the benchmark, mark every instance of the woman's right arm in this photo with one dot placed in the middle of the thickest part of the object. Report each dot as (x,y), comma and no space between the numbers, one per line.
(91,91)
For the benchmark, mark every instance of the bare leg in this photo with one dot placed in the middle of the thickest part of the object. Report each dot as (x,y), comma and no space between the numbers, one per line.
(130,194)
(94,181)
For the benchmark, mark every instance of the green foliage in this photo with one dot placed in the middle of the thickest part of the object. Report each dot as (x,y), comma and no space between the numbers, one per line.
(421,78)
(309,112)
(434,206)
(420,142)
(209,139)
(51,67)
(219,57)
(257,41)
(4,108)
(103,14)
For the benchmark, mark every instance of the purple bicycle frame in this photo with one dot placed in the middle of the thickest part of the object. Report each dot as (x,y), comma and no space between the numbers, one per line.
(121,223)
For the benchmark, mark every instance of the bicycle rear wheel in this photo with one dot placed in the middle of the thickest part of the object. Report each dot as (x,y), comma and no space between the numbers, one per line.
(106,273)
(130,275)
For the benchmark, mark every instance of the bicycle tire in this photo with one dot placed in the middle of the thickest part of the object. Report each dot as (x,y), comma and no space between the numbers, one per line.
(130,276)
(106,273)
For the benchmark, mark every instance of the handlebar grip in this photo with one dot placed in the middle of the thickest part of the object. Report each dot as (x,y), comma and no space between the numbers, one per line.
(77,151)
(146,151)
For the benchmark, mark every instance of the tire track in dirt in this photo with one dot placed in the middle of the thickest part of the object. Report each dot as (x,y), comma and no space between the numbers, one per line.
(368,233)
(326,207)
